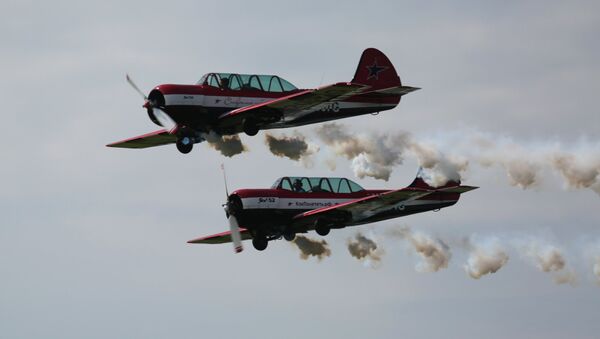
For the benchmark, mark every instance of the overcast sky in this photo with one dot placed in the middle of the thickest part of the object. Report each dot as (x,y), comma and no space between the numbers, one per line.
(93,239)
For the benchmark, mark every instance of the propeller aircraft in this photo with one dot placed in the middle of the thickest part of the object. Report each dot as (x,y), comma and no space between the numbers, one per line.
(301,204)
(230,103)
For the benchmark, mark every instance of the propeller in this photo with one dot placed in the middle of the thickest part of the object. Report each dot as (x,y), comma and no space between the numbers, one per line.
(157,115)
(236,237)
(234,227)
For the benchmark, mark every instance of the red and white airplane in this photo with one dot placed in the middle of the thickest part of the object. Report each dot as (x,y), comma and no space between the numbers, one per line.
(300,204)
(229,103)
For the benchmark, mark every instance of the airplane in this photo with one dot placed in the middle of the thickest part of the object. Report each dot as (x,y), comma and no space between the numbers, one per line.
(230,103)
(301,204)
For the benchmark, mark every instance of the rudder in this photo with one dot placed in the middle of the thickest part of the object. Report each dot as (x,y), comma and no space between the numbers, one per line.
(376,70)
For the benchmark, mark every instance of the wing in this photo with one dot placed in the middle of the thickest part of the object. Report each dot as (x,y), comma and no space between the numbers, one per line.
(157,138)
(221,238)
(355,210)
(273,110)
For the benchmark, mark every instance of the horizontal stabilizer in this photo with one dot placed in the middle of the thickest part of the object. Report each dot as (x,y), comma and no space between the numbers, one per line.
(458,189)
(221,238)
(156,138)
(397,90)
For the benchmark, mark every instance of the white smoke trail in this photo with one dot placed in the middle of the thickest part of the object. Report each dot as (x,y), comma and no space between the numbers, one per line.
(365,249)
(593,253)
(486,256)
(547,258)
(435,253)
(596,268)
(450,154)
(372,156)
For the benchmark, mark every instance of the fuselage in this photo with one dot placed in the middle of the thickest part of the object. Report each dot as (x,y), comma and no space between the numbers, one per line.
(200,106)
(272,209)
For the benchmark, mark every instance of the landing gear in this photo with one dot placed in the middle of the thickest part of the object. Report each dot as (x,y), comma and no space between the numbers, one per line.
(289,235)
(185,145)
(250,127)
(260,242)
(185,140)
(322,230)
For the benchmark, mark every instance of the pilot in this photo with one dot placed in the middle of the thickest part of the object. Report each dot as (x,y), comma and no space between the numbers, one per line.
(298,186)
(224,83)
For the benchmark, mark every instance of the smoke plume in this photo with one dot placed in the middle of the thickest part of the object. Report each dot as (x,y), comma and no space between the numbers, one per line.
(435,253)
(372,156)
(486,256)
(228,145)
(310,247)
(578,172)
(448,155)
(365,249)
(293,147)
(596,268)
(375,155)
(547,258)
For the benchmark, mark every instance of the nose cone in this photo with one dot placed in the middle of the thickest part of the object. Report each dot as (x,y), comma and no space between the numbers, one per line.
(156,98)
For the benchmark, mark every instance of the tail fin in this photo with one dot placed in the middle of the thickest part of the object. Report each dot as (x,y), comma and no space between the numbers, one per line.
(420,182)
(376,70)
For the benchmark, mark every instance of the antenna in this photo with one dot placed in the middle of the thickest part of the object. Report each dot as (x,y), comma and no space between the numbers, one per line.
(225,180)
(322,77)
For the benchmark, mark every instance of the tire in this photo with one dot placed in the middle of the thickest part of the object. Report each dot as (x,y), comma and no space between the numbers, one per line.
(322,230)
(250,127)
(289,235)
(260,243)
(185,145)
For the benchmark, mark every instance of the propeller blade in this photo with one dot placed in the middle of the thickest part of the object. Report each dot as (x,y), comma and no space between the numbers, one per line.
(236,237)
(225,180)
(164,119)
(137,89)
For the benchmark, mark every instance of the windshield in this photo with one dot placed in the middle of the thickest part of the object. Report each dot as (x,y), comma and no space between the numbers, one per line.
(317,184)
(235,82)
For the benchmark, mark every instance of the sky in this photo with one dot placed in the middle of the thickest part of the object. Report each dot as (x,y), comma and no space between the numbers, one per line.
(93,239)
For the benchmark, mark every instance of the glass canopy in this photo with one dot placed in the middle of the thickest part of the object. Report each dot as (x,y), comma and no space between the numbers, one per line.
(317,184)
(236,82)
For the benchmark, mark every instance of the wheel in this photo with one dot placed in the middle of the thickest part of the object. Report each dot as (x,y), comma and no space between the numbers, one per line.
(250,127)
(185,145)
(260,242)
(289,235)
(322,230)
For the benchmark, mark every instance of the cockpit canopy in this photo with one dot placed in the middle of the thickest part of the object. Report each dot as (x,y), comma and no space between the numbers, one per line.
(236,82)
(317,184)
